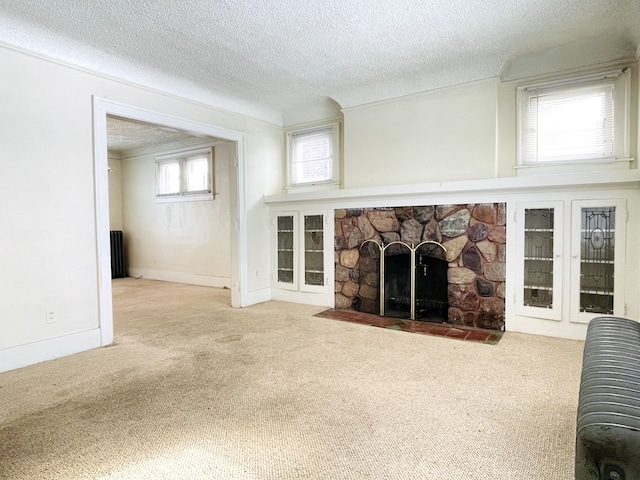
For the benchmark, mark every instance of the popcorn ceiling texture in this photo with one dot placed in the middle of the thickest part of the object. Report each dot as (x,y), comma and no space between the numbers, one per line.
(125,136)
(279,56)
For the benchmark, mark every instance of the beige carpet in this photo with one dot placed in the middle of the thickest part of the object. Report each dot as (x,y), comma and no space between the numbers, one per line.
(193,389)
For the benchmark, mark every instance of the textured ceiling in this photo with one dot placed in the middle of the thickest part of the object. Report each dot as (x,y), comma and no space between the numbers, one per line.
(275,57)
(125,136)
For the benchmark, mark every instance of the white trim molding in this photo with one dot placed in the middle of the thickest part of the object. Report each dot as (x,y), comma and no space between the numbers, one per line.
(180,277)
(399,195)
(49,349)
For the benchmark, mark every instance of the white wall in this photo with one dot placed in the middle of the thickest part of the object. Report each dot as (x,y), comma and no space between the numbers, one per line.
(48,253)
(465,132)
(177,241)
(115,192)
(444,135)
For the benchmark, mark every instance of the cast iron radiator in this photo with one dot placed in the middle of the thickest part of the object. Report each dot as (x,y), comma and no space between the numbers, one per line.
(117,254)
(608,424)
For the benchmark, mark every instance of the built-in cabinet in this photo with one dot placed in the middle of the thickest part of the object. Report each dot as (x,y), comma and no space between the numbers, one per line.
(539,271)
(570,251)
(598,259)
(300,259)
(285,258)
(313,250)
(563,251)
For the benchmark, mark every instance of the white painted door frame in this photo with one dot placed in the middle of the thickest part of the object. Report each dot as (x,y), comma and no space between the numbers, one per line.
(239,243)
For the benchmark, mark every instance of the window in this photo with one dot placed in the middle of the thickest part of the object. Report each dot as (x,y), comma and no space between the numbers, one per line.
(187,175)
(576,120)
(312,156)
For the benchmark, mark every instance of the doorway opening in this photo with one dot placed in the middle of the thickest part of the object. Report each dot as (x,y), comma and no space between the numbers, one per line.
(179,236)
(229,142)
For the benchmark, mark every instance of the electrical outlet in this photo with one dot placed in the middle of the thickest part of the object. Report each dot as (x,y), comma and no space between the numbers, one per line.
(50,316)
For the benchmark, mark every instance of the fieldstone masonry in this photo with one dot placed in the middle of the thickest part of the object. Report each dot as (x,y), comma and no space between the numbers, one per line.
(474,238)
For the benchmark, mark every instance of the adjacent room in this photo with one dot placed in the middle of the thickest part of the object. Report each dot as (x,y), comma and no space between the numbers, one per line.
(181,238)
(292,240)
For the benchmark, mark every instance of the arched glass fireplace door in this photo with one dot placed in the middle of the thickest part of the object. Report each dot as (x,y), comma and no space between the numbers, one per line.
(413,280)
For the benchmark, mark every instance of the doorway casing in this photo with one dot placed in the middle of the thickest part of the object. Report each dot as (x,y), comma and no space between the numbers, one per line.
(239,243)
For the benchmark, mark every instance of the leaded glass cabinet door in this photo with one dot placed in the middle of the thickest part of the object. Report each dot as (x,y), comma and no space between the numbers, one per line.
(539,273)
(313,254)
(597,259)
(286,258)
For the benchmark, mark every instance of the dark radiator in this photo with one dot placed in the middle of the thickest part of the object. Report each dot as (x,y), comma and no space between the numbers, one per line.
(118,269)
(608,428)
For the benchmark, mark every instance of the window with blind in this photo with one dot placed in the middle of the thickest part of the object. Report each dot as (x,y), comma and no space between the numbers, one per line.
(575,120)
(312,156)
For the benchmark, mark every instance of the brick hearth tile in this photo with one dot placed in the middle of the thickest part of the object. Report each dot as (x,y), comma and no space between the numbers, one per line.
(440,330)
(491,337)
(457,333)
(381,322)
(478,336)
(421,327)
(355,320)
(387,322)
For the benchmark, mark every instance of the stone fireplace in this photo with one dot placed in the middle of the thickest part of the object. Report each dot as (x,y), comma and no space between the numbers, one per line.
(461,282)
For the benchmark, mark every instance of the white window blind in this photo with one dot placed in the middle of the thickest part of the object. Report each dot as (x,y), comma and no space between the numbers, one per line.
(567,122)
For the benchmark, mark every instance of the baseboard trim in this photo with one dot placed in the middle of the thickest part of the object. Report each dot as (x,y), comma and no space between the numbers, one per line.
(258,296)
(180,277)
(31,353)
(305,298)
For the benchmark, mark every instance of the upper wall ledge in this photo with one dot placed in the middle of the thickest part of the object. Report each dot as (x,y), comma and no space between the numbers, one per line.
(397,193)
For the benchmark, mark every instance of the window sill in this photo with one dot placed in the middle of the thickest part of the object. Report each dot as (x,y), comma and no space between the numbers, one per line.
(316,187)
(186,198)
(574,166)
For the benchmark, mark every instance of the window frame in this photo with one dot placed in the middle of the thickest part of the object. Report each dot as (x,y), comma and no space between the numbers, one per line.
(332,132)
(182,159)
(620,79)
